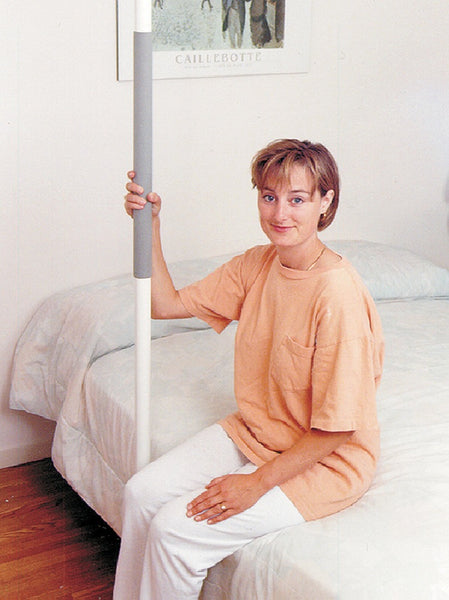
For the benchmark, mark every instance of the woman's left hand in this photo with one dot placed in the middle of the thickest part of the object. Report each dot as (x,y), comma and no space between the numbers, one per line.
(226,496)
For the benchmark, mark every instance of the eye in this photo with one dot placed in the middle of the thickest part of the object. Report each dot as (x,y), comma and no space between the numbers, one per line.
(296,201)
(269,198)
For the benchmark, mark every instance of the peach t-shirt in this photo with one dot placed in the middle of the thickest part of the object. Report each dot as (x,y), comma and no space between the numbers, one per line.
(308,354)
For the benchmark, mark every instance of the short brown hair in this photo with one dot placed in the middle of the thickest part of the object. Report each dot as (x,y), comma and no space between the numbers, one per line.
(280,156)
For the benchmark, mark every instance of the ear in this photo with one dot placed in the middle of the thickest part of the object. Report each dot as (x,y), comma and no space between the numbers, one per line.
(326,200)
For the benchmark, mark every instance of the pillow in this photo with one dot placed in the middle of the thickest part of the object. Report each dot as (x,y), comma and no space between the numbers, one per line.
(391,272)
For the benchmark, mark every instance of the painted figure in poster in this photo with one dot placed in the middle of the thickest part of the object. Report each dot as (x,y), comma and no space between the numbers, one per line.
(234,21)
(279,19)
(260,31)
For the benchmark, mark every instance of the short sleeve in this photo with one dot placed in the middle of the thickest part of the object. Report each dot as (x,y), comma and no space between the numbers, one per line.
(347,364)
(217,299)
(344,382)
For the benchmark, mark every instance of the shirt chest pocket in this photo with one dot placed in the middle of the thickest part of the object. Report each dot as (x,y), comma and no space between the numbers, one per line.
(292,365)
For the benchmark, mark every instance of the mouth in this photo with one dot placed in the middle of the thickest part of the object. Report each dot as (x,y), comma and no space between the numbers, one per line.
(280,228)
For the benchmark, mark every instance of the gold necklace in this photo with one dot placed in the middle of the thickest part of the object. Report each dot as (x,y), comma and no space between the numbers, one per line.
(316,259)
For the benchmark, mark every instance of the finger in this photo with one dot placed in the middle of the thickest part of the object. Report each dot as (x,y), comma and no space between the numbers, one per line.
(216,481)
(153,197)
(203,502)
(206,495)
(212,513)
(222,516)
(132,197)
(193,503)
(134,188)
(134,202)
(131,174)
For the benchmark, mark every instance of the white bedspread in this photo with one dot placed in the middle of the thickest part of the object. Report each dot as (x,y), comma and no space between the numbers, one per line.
(391,545)
(192,387)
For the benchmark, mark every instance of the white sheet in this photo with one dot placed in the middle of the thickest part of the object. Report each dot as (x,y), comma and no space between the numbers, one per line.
(392,544)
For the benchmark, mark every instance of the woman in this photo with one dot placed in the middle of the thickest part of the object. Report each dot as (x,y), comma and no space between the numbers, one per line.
(308,354)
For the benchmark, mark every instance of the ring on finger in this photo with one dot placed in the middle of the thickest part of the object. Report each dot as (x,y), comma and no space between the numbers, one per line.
(223,507)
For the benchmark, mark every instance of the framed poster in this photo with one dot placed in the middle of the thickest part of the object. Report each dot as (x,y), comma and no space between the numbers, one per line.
(210,38)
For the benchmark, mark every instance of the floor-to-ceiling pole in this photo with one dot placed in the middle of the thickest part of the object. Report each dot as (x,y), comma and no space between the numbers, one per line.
(142,227)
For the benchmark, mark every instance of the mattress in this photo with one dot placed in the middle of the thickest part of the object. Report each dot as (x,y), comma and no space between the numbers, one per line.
(95,442)
(392,544)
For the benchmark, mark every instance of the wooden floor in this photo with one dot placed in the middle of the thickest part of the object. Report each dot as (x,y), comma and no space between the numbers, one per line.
(52,546)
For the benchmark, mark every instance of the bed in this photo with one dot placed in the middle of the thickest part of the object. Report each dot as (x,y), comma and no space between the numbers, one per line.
(74,365)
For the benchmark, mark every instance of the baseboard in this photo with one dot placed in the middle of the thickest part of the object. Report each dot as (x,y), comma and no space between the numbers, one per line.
(11,457)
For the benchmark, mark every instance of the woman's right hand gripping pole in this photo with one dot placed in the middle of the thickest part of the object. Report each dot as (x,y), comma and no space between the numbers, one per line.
(165,300)
(135,201)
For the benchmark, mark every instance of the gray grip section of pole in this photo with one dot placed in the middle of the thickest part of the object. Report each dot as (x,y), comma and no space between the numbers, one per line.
(143,137)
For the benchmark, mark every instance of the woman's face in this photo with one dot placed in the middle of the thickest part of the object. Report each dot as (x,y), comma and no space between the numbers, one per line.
(289,212)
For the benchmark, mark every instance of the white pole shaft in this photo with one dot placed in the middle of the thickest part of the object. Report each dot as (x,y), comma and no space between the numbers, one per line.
(142,228)
(143,372)
(143,15)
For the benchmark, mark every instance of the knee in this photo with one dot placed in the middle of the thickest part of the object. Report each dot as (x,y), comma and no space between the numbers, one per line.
(138,495)
(161,526)
(133,493)
(170,525)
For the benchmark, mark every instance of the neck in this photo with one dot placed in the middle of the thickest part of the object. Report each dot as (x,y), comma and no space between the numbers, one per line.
(301,257)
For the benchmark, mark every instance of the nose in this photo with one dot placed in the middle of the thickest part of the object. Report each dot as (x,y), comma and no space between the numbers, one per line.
(280,211)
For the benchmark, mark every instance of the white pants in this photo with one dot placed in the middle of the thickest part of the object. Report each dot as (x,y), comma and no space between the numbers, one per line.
(165,555)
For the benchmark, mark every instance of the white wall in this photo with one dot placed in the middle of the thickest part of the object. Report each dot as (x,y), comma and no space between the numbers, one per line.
(376,94)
